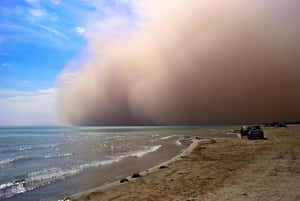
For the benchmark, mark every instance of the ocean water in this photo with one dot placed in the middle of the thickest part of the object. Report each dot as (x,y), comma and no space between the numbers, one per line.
(49,163)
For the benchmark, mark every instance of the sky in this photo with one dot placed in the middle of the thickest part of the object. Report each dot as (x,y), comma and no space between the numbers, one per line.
(136,62)
(38,39)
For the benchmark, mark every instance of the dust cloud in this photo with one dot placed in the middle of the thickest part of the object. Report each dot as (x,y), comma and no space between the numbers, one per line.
(190,62)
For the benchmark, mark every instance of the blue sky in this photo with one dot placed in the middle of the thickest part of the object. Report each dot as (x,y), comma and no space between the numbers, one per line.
(38,39)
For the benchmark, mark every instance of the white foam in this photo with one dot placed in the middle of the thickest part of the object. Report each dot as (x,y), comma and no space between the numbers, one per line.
(10,189)
(43,177)
(50,175)
(58,155)
(98,163)
(23,148)
(43,146)
(4,186)
(57,173)
(5,162)
(19,188)
(142,152)
(167,137)
(114,137)
(178,142)
(30,147)
(10,160)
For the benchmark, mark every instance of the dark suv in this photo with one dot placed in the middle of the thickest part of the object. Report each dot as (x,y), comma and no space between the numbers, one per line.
(253,131)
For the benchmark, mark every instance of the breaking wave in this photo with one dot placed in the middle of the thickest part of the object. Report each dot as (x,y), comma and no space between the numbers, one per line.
(19,158)
(178,142)
(44,177)
(142,152)
(58,155)
(168,137)
(11,160)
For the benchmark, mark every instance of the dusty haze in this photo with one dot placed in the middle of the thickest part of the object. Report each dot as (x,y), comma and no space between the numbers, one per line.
(190,62)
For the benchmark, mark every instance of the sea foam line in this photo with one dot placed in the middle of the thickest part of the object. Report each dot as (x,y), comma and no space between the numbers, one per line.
(58,155)
(142,152)
(11,160)
(44,177)
(168,137)
(178,142)
(29,147)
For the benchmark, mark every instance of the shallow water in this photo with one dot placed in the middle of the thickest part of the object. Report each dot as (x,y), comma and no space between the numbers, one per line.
(49,163)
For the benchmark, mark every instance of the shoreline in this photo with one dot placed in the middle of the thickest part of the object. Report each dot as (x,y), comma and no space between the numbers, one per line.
(226,169)
(195,142)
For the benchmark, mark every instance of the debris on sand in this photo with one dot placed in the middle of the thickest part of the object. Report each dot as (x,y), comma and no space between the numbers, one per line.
(124,180)
(135,175)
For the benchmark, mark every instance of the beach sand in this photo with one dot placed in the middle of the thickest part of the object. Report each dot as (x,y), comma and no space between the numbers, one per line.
(227,169)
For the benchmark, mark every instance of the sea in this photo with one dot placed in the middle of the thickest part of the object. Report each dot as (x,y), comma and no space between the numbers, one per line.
(50,163)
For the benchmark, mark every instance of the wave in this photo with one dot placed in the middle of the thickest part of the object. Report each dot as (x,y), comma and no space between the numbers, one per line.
(142,152)
(5,162)
(44,177)
(16,149)
(29,147)
(4,186)
(114,137)
(58,155)
(11,160)
(168,137)
(178,142)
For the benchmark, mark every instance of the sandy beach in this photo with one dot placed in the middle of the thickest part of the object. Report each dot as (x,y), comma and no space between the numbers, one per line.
(221,169)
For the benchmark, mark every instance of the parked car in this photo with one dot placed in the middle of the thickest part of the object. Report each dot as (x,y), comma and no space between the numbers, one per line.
(270,124)
(281,124)
(255,132)
(252,131)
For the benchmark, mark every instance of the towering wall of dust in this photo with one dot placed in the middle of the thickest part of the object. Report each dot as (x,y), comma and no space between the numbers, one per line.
(194,61)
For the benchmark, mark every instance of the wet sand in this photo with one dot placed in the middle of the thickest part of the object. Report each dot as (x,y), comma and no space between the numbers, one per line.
(225,169)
